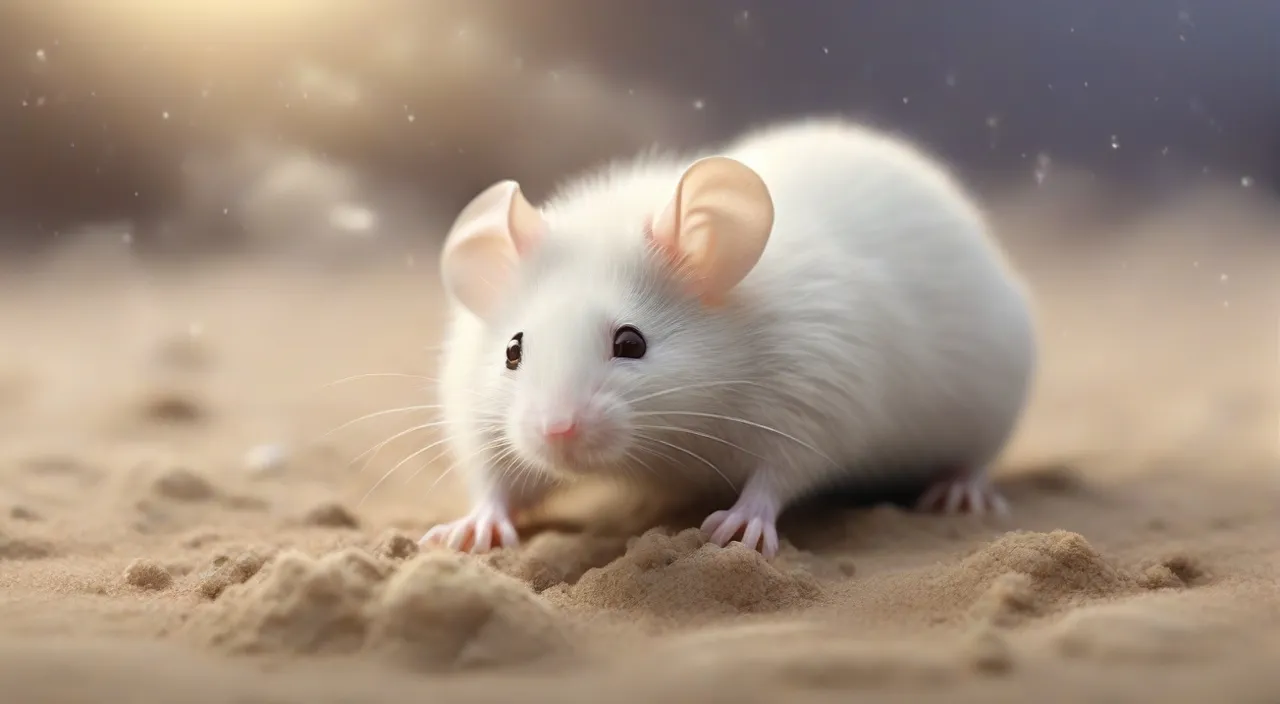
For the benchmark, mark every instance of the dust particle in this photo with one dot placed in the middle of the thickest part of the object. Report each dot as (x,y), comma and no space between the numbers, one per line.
(146,574)
(266,459)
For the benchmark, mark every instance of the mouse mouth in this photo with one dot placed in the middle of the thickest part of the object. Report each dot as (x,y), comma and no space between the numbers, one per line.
(571,437)
(583,456)
(594,448)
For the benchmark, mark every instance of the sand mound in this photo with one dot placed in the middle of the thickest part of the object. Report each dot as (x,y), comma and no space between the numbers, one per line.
(553,559)
(436,611)
(682,578)
(1031,574)
(229,570)
(1025,575)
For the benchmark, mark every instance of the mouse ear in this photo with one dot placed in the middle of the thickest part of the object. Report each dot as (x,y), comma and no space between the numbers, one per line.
(716,225)
(480,255)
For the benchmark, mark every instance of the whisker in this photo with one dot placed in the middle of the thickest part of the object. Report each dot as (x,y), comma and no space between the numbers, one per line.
(375,414)
(658,454)
(632,458)
(377,374)
(501,461)
(458,463)
(692,454)
(700,434)
(501,456)
(744,421)
(392,471)
(668,459)
(436,457)
(378,448)
(686,387)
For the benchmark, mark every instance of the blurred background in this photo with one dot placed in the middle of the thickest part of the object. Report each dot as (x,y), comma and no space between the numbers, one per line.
(202,123)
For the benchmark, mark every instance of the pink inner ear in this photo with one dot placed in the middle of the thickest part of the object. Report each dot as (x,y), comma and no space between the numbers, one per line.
(525,237)
(524,223)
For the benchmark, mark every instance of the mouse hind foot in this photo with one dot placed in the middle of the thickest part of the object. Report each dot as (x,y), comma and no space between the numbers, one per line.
(966,492)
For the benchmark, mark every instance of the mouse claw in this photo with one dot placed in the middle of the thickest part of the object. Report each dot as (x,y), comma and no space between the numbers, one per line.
(485,528)
(759,531)
(971,495)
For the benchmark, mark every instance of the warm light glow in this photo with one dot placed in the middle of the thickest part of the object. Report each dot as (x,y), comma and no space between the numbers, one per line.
(213,17)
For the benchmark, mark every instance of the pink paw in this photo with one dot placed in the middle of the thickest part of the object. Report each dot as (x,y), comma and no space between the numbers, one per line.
(757,525)
(485,528)
(963,495)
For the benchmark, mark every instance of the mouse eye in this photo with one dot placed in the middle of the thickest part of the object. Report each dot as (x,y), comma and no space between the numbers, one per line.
(515,348)
(628,343)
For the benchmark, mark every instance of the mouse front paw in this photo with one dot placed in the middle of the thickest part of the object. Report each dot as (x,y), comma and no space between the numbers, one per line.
(753,525)
(757,531)
(486,528)
(754,517)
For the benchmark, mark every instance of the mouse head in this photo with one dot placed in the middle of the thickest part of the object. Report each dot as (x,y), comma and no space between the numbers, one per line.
(591,334)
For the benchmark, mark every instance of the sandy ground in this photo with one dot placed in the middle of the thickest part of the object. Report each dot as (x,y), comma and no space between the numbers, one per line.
(149,553)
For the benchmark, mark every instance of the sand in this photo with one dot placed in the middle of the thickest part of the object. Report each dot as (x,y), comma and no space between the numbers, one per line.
(178,523)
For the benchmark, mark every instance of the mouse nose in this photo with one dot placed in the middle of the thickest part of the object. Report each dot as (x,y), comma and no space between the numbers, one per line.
(561,430)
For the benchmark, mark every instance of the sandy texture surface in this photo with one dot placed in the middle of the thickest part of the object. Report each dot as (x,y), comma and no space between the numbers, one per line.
(177,523)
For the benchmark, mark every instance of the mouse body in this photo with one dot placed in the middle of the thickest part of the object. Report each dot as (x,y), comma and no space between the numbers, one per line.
(810,305)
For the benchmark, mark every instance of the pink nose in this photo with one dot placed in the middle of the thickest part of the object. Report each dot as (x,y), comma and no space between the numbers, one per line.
(561,430)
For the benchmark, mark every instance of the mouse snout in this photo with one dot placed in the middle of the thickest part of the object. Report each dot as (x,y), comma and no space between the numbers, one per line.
(578,436)
(560,428)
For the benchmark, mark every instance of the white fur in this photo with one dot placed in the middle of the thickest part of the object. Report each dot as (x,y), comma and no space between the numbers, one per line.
(881,330)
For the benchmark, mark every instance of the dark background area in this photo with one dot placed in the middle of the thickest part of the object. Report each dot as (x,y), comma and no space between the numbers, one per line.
(101,100)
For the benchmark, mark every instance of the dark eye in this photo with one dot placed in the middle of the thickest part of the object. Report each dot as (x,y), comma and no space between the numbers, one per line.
(628,343)
(514,350)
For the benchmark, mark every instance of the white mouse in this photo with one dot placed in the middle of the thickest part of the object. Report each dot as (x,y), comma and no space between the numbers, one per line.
(814,304)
